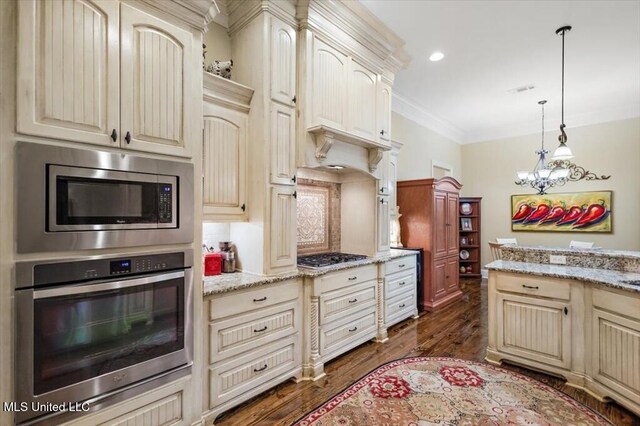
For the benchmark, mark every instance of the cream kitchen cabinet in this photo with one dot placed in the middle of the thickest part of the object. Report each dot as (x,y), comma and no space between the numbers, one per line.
(341,309)
(283,248)
(361,101)
(283,62)
(224,149)
(383,128)
(400,293)
(106,73)
(329,89)
(283,144)
(615,346)
(253,343)
(383,234)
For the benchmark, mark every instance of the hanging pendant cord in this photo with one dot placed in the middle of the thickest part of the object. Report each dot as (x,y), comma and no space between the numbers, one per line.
(563,77)
(563,136)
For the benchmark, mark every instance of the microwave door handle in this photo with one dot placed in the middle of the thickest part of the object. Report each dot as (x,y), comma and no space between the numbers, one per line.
(105,286)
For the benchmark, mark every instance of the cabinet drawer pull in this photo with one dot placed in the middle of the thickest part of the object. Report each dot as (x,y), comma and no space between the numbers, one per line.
(401,283)
(401,265)
(531,287)
(261,330)
(260,369)
(351,330)
(353,278)
(353,301)
(402,306)
(262,299)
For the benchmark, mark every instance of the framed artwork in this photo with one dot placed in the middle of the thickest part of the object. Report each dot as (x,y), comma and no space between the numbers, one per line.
(465,224)
(464,241)
(567,212)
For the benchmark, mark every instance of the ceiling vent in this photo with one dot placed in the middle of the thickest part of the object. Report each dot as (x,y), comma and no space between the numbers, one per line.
(522,89)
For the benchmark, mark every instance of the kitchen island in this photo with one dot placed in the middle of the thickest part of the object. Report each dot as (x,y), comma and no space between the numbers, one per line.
(579,320)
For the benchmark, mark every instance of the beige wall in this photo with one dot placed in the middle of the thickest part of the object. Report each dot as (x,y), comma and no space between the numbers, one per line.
(218,44)
(489,171)
(421,147)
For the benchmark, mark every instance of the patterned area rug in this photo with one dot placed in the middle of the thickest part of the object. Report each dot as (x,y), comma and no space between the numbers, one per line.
(447,391)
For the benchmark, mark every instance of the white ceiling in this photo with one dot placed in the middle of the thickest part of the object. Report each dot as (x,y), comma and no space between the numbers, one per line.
(492,47)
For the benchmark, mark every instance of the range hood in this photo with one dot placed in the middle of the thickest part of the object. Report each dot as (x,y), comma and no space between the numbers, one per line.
(333,147)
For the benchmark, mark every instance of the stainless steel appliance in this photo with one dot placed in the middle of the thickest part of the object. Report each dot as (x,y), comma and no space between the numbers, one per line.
(70,199)
(102,327)
(327,259)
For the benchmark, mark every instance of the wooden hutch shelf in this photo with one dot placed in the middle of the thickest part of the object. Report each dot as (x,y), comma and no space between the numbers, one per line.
(469,232)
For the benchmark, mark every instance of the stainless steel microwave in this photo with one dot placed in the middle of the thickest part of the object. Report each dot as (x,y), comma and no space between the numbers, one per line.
(70,199)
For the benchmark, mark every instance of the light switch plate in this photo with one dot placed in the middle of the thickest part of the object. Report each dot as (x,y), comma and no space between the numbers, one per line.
(558,260)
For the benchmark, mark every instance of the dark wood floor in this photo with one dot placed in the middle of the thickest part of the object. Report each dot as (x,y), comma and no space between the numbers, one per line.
(459,330)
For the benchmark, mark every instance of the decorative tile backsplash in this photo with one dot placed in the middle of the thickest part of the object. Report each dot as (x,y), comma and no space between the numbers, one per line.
(318,216)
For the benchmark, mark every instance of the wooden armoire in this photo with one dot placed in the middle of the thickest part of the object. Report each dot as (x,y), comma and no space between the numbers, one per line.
(430,220)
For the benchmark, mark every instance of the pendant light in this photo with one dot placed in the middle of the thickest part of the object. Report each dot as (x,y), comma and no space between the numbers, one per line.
(562,152)
(543,176)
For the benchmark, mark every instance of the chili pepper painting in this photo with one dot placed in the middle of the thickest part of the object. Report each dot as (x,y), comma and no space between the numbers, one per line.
(565,212)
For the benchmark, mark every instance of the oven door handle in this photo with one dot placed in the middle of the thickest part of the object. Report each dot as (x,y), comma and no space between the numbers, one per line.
(105,286)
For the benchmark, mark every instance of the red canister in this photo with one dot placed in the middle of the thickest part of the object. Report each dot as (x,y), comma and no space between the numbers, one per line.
(212,264)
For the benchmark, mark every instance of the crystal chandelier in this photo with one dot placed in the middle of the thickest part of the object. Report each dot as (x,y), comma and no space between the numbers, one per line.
(544,176)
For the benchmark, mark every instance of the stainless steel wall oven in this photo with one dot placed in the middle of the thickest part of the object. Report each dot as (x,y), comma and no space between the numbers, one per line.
(71,199)
(89,329)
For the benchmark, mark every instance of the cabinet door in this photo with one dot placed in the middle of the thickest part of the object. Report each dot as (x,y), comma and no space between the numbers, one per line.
(440,232)
(283,144)
(393,179)
(534,329)
(616,350)
(361,102)
(283,227)
(158,74)
(224,163)
(452,274)
(283,62)
(329,86)
(452,224)
(439,285)
(384,113)
(383,237)
(68,70)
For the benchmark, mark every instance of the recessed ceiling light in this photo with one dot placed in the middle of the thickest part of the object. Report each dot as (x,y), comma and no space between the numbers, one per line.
(436,56)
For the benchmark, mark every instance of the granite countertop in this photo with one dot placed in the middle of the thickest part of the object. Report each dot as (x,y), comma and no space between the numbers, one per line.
(609,278)
(567,250)
(239,280)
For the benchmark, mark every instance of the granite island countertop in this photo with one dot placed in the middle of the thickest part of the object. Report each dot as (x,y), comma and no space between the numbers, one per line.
(605,277)
(225,283)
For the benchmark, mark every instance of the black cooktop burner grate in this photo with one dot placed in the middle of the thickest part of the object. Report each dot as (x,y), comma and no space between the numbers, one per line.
(327,259)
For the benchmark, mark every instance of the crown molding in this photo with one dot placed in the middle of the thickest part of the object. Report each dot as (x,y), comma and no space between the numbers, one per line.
(415,112)
(196,13)
(225,92)
(576,120)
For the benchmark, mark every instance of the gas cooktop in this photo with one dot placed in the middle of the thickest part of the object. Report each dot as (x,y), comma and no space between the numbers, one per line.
(327,259)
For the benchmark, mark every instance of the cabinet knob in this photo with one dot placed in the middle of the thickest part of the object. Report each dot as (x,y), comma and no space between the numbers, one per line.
(293,179)
(295,194)
(114,135)
(127,137)
(566,311)
(382,132)
(243,207)
(294,99)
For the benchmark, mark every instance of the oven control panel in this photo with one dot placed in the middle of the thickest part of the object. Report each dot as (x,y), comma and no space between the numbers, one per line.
(92,269)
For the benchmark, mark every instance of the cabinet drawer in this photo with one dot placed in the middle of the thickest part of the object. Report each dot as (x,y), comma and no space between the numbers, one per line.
(336,280)
(401,306)
(534,286)
(229,380)
(347,330)
(238,302)
(339,303)
(400,283)
(401,264)
(237,334)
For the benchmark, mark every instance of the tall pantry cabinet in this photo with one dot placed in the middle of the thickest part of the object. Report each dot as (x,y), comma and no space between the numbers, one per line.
(430,220)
